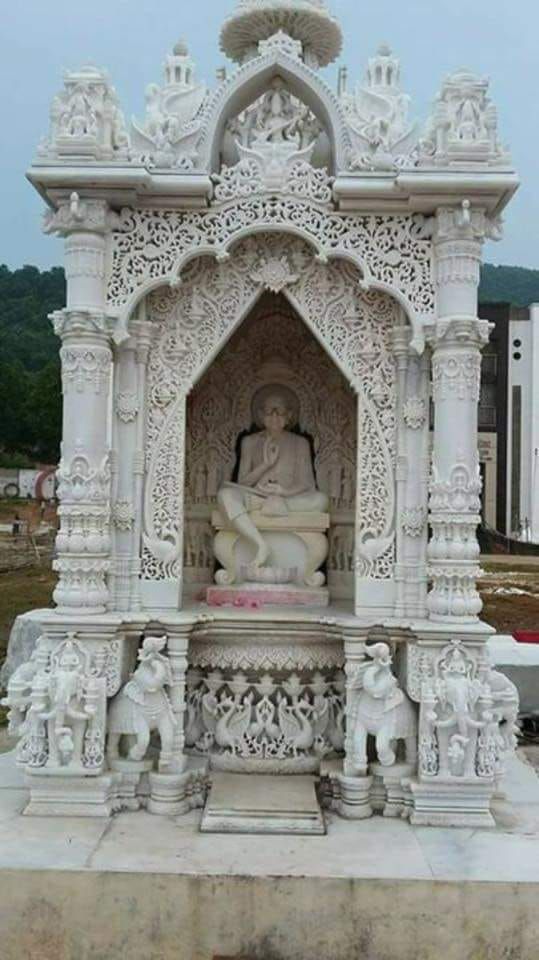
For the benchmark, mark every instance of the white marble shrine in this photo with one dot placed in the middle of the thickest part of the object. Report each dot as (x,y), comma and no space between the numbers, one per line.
(263,569)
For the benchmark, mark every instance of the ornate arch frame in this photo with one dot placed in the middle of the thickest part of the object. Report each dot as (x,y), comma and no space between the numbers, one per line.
(165,267)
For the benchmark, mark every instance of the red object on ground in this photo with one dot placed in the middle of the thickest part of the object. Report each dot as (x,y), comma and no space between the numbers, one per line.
(526,636)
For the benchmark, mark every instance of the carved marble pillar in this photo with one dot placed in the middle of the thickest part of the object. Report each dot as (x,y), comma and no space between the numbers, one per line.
(128,464)
(83,543)
(401,340)
(178,645)
(413,517)
(456,344)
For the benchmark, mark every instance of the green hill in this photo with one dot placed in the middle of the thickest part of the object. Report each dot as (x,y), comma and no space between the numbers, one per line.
(30,388)
(515,285)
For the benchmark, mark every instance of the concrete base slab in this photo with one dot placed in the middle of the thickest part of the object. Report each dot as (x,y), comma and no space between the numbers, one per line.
(155,888)
(240,803)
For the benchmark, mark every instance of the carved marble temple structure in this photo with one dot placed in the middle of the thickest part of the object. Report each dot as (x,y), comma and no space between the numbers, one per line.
(263,568)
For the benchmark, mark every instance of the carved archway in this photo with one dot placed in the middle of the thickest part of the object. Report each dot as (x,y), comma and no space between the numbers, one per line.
(193,322)
(271,346)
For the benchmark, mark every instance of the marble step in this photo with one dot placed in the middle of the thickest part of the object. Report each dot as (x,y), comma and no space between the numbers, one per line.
(262,804)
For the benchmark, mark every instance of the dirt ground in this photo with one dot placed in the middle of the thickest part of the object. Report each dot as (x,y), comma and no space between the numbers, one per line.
(510,593)
(28,511)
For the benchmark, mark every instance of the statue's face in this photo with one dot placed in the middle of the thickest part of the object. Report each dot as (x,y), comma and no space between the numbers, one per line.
(275,415)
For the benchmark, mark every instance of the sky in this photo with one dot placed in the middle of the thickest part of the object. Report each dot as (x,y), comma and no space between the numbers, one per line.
(41,38)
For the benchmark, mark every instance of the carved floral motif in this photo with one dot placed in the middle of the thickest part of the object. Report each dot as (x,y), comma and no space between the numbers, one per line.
(123,515)
(127,406)
(275,274)
(414,412)
(413,520)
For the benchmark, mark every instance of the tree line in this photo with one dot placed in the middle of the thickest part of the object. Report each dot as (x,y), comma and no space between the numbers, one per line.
(30,383)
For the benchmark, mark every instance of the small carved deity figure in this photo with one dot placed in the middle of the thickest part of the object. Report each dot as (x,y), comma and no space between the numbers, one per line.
(68,711)
(20,686)
(383,710)
(79,119)
(469,126)
(155,118)
(143,705)
(277,121)
(276,475)
(458,717)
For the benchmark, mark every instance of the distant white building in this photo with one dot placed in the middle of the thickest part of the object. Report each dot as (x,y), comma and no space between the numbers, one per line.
(523,416)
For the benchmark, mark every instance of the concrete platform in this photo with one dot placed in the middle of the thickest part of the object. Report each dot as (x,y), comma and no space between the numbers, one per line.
(149,888)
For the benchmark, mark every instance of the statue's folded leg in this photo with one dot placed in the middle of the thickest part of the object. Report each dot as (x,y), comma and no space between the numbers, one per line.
(232,502)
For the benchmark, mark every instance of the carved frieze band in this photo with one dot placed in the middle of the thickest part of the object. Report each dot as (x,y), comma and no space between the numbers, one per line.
(393,249)
(456,376)
(84,367)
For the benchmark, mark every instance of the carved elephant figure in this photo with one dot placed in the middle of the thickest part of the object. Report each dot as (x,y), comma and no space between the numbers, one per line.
(143,706)
(384,711)
(506,705)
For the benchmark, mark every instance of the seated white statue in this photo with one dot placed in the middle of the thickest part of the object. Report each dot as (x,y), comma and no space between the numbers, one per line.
(275,478)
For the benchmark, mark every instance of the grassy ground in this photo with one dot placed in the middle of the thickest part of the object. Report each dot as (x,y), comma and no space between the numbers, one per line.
(22,590)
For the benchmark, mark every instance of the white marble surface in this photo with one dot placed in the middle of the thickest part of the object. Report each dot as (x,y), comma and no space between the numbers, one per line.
(375,848)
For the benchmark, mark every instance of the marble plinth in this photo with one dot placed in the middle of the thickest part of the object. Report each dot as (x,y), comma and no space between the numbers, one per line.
(251,596)
(87,797)
(262,804)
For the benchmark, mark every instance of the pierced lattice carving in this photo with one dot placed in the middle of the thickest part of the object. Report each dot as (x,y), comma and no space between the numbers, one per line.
(194,321)
(151,244)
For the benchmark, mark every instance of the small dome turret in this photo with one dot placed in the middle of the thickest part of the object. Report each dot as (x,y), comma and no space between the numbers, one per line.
(181,49)
(383,70)
(180,67)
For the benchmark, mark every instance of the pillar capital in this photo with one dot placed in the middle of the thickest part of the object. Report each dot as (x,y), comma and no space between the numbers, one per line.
(81,216)
(459,331)
(464,225)
(401,338)
(458,234)
(86,325)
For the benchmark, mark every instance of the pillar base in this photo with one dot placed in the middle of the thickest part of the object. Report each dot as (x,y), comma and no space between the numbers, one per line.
(169,794)
(452,802)
(355,797)
(394,798)
(54,796)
